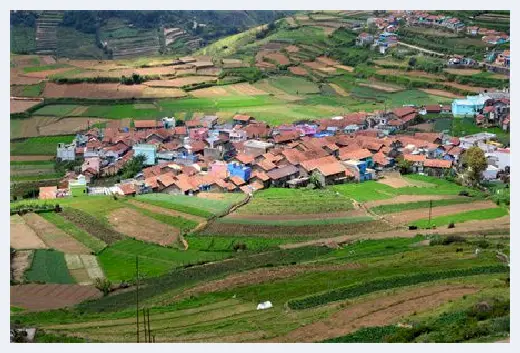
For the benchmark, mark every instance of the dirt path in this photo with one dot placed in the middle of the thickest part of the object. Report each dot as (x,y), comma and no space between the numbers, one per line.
(35,297)
(406,199)
(22,236)
(255,277)
(352,213)
(412,215)
(339,90)
(421,49)
(133,224)
(21,261)
(461,229)
(376,312)
(54,237)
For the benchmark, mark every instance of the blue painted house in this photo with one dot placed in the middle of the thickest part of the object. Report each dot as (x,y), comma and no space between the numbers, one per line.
(149,151)
(239,170)
(468,106)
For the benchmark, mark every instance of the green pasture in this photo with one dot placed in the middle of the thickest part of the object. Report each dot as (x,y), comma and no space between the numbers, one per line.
(49,266)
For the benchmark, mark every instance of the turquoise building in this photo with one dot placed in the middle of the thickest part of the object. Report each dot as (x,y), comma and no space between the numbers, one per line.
(149,151)
(468,106)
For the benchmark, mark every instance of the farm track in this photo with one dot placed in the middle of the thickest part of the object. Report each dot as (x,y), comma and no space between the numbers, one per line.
(377,312)
(36,297)
(413,215)
(463,229)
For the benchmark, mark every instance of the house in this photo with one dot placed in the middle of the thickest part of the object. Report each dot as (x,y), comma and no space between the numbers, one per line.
(358,154)
(47,192)
(92,163)
(364,39)
(127,189)
(280,176)
(381,161)
(241,171)
(469,106)
(209,121)
(333,173)
(308,166)
(472,30)
(242,119)
(147,124)
(66,152)
(417,162)
(431,109)
(437,167)
(256,147)
(149,151)
(359,170)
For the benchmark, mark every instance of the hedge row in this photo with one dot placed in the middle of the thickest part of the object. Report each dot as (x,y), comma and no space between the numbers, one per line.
(388,283)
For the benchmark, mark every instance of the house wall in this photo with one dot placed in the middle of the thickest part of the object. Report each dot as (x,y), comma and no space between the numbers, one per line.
(239,171)
(149,153)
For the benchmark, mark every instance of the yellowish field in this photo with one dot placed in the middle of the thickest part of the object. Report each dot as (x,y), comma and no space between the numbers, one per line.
(241,89)
(339,90)
(180,82)
(463,72)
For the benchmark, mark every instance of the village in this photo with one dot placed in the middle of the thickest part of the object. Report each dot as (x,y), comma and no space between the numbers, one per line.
(246,155)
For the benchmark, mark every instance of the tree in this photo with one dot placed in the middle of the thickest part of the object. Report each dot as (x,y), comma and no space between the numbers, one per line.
(315,180)
(403,165)
(134,166)
(412,61)
(474,160)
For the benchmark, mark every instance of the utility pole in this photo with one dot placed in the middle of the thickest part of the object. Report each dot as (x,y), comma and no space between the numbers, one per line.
(137,298)
(148,321)
(430,213)
(144,324)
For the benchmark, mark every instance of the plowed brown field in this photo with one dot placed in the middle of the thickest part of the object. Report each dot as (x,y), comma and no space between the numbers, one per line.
(36,297)
(23,236)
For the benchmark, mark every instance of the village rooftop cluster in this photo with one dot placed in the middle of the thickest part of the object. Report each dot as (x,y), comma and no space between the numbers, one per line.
(247,155)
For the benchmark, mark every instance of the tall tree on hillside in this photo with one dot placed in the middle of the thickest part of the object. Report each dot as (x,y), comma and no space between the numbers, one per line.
(474,160)
(403,165)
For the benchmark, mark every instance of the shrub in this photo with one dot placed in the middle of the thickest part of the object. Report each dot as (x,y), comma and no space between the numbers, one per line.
(104,285)
(451,225)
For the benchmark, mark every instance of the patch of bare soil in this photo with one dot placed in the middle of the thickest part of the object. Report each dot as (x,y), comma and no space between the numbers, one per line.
(258,276)
(397,181)
(21,261)
(412,215)
(66,126)
(133,224)
(376,312)
(424,127)
(21,105)
(440,93)
(54,237)
(23,236)
(31,158)
(407,198)
(352,213)
(35,297)
(381,87)
(339,90)
(165,211)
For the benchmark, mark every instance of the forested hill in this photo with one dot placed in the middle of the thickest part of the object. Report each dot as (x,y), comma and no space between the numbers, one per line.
(144,32)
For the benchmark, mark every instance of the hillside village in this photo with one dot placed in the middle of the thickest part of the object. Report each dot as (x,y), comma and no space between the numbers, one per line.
(246,155)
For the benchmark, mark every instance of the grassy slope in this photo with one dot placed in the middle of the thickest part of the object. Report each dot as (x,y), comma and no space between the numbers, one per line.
(45,145)
(488,213)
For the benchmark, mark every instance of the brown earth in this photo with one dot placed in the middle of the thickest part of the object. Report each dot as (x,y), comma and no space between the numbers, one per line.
(133,224)
(66,126)
(165,211)
(210,92)
(339,90)
(463,72)
(162,92)
(22,80)
(54,237)
(381,87)
(314,65)
(47,73)
(395,180)
(413,215)
(257,276)
(21,105)
(107,91)
(22,236)
(476,228)
(245,89)
(465,87)
(351,213)
(344,67)
(280,59)
(425,127)
(181,81)
(31,158)
(377,312)
(48,60)
(440,93)
(298,70)
(210,71)
(35,297)
(292,49)
(21,261)
(394,72)
(327,61)
(407,198)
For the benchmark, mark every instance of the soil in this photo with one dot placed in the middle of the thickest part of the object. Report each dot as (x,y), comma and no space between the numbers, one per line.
(31,158)
(245,89)
(21,105)
(380,87)
(377,312)
(21,261)
(440,93)
(292,48)
(54,237)
(351,213)
(66,126)
(327,61)
(394,72)
(48,60)
(314,65)
(412,215)
(22,80)
(279,58)
(397,181)
(179,82)
(107,91)
(133,224)
(463,72)
(407,198)
(167,212)
(298,70)
(344,67)
(23,236)
(256,277)
(36,297)
(339,90)
(474,228)
(425,127)
(209,92)
(465,87)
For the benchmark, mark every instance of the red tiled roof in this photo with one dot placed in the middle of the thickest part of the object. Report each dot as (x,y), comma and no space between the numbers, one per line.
(437,163)
(395,122)
(260,175)
(237,180)
(279,173)
(166,179)
(489,109)
(414,157)
(312,164)
(47,192)
(380,158)
(288,136)
(240,117)
(455,151)
(404,111)
(151,182)
(147,124)
(193,123)
(331,168)
(455,141)
(427,136)
(79,150)
(180,130)
(434,108)
(359,153)
(266,165)
(127,189)
(244,158)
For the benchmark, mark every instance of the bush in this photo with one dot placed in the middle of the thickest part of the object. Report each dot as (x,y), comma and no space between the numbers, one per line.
(451,225)
(463,193)
(104,285)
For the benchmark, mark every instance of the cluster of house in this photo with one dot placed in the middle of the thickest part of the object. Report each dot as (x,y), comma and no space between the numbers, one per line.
(489,109)
(461,61)
(246,155)
(489,36)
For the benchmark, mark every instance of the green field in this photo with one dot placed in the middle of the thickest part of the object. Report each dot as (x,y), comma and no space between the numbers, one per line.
(59,110)
(45,145)
(386,209)
(27,90)
(79,234)
(295,222)
(118,260)
(196,206)
(294,85)
(49,266)
(489,213)
(43,68)
(177,222)
(275,201)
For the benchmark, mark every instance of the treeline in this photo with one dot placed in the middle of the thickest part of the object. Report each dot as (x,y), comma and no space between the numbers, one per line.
(249,74)
(135,79)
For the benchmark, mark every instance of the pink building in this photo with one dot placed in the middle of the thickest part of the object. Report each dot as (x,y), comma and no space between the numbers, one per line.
(218,170)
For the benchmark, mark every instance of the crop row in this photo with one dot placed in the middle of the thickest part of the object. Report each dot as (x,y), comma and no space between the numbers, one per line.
(184,276)
(388,283)
(92,226)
